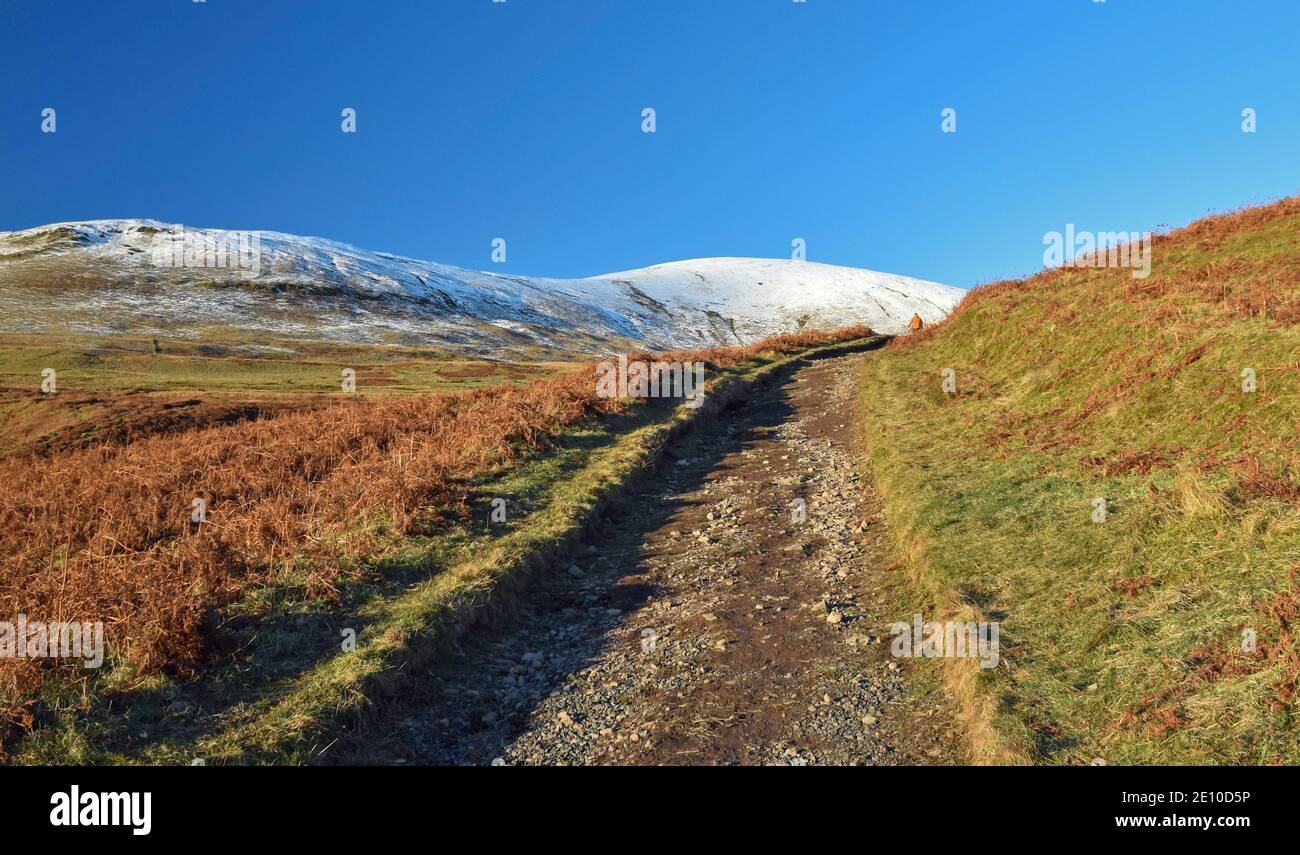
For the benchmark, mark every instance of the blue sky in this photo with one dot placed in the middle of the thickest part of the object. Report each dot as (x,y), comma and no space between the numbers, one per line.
(775,120)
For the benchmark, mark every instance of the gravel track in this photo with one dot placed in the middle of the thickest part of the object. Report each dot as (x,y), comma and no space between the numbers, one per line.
(705,623)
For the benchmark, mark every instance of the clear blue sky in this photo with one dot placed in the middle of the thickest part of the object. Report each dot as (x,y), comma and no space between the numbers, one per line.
(776,120)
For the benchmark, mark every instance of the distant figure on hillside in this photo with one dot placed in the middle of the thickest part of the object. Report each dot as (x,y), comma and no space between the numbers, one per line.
(915,324)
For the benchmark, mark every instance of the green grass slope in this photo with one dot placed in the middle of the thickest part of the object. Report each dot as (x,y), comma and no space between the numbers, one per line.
(1124,640)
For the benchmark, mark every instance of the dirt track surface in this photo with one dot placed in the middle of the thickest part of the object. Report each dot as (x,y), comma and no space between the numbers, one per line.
(704,624)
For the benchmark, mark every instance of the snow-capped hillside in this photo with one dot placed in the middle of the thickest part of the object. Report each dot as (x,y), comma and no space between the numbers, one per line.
(761,297)
(144,277)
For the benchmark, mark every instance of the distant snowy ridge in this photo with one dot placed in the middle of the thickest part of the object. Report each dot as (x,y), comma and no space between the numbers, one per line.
(119,277)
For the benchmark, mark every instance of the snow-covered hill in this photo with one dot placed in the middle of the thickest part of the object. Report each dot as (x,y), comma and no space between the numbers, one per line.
(143,277)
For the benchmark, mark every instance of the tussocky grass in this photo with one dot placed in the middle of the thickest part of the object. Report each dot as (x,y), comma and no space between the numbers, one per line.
(1122,641)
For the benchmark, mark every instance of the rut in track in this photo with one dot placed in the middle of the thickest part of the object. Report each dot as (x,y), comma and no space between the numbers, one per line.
(703,624)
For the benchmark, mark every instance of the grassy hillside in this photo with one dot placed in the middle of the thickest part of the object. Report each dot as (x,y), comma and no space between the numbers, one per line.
(368,513)
(1121,640)
(123,388)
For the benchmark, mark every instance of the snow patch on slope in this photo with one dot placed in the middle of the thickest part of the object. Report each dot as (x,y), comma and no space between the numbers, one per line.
(100,275)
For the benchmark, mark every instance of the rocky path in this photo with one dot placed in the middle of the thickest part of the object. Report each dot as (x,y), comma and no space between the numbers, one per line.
(715,620)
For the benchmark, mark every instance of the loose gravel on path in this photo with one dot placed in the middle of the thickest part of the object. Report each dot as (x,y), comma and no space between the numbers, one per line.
(705,623)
